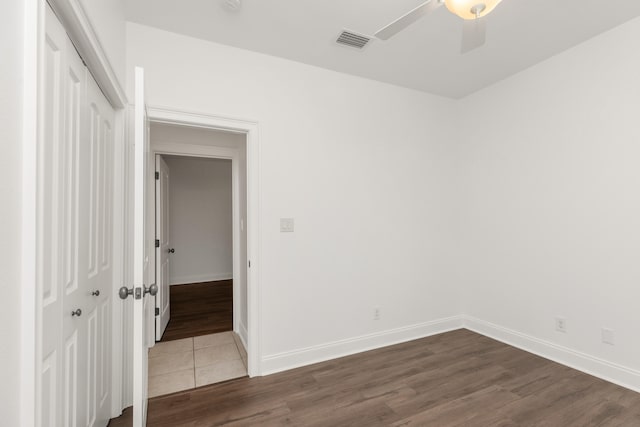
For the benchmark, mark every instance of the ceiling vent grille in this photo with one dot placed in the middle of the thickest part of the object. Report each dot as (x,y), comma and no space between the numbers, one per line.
(347,38)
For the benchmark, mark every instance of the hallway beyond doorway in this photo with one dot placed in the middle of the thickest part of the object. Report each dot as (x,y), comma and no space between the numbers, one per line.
(200,309)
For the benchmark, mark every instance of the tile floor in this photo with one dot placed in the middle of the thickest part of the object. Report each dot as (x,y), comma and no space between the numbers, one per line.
(193,362)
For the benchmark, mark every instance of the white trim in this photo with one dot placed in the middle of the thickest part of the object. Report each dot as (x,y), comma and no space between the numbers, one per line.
(608,371)
(31,112)
(202,120)
(250,129)
(118,346)
(75,21)
(191,150)
(242,333)
(236,236)
(199,278)
(333,350)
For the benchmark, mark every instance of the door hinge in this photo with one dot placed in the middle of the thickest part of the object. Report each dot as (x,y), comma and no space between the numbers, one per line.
(157,243)
(157,175)
(157,311)
(249,263)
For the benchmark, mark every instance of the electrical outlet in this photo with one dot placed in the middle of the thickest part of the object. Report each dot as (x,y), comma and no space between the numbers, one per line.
(561,324)
(286,225)
(607,336)
(376,313)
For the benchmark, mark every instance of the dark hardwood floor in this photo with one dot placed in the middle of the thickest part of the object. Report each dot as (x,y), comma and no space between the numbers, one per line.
(200,309)
(458,378)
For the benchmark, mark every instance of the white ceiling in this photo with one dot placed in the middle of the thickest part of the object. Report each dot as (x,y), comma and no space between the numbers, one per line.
(425,56)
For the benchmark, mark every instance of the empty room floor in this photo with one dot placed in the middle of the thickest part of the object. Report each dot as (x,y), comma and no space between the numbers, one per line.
(200,309)
(458,378)
(194,362)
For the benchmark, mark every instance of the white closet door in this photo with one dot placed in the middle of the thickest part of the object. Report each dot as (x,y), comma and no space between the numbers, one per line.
(98,203)
(60,255)
(74,323)
(49,405)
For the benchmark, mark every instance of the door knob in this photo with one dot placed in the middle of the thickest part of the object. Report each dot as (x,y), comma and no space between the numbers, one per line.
(171,251)
(77,312)
(96,293)
(153,290)
(124,292)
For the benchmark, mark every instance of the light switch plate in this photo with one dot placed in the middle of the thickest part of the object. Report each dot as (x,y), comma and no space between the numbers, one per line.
(286,225)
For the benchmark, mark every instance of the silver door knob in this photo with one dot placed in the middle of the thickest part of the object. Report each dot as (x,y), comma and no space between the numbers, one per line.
(77,312)
(153,290)
(96,293)
(124,292)
(171,251)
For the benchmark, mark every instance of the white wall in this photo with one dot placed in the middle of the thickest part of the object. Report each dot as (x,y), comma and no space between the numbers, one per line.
(515,205)
(108,21)
(200,221)
(363,167)
(11,83)
(552,218)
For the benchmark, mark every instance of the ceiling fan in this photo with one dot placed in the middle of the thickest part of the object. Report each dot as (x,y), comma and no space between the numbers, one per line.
(472,11)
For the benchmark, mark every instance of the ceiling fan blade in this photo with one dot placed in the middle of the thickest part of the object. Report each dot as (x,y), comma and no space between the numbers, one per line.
(474,34)
(404,21)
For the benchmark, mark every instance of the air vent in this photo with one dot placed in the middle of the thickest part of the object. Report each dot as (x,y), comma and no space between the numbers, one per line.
(347,38)
(232,5)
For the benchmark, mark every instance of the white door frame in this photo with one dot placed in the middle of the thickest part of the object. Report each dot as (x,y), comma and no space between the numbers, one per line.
(161,252)
(33,34)
(250,129)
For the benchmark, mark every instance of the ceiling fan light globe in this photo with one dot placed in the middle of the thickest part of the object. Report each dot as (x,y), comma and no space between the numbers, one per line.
(465,8)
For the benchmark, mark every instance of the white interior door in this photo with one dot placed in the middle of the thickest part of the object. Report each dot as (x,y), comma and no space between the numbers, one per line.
(163,247)
(73,239)
(63,344)
(142,308)
(97,193)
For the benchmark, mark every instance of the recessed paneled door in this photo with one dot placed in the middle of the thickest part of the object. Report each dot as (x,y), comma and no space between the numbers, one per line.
(98,202)
(74,236)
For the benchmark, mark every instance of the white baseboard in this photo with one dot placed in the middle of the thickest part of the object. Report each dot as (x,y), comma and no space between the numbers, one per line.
(617,374)
(608,371)
(242,333)
(320,353)
(198,278)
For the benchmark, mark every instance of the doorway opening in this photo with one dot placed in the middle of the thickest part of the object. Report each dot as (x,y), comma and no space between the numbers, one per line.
(201,257)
